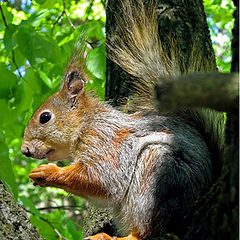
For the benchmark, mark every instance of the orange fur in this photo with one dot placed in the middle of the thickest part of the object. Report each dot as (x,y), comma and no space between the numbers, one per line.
(73,179)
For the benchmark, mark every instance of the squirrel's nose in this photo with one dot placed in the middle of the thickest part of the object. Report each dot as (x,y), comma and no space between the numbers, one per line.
(26,151)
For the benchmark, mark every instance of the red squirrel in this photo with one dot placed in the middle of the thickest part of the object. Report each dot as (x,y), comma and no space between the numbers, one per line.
(148,166)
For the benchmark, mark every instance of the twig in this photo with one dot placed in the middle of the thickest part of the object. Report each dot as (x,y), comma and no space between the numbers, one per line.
(54,24)
(4,20)
(65,12)
(59,235)
(58,19)
(50,224)
(58,207)
(55,230)
(104,4)
(15,64)
(89,9)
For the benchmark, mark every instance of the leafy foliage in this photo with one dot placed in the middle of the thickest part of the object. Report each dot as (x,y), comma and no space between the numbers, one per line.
(35,45)
(220,21)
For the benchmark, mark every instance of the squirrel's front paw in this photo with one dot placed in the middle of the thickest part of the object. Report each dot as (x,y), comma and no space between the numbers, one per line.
(43,175)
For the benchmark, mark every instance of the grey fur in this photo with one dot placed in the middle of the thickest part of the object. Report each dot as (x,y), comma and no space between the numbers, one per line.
(180,168)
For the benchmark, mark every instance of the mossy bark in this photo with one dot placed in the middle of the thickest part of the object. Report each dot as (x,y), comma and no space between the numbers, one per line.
(14,223)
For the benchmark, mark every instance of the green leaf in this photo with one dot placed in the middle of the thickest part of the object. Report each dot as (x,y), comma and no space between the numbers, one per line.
(44,228)
(40,1)
(28,203)
(9,40)
(72,229)
(20,59)
(11,112)
(98,85)
(32,82)
(4,108)
(45,79)
(8,81)
(49,4)
(23,95)
(96,62)
(37,17)
(37,48)
(6,171)
(7,15)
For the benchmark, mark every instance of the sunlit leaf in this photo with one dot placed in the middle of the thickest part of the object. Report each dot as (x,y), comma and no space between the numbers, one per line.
(8,39)
(44,228)
(45,79)
(36,47)
(7,17)
(37,17)
(8,81)
(40,1)
(48,4)
(28,203)
(6,171)
(96,62)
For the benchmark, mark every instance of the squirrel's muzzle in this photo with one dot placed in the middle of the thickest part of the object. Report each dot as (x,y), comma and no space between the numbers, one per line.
(25,150)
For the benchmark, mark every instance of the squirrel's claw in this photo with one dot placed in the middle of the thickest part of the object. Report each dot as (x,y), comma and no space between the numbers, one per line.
(104,236)
(99,236)
(42,175)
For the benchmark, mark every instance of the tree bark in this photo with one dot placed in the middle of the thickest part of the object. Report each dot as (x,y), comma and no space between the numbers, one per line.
(217,215)
(14,223)
(184,21)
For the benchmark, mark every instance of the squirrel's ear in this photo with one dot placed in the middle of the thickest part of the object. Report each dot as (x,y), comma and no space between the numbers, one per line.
(74,83)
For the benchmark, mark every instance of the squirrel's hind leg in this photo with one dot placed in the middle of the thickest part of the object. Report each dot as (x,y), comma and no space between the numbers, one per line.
(134,235)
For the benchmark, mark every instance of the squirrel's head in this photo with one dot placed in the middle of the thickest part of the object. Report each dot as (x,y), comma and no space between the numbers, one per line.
(51,128)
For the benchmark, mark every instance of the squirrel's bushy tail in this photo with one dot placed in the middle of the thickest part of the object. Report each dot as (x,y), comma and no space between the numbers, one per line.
(136,47)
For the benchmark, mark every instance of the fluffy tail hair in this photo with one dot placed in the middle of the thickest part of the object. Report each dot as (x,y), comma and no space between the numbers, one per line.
(135,46)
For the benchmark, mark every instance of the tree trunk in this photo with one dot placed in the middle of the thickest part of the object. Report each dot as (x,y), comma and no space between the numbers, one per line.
(184,21)
(218,214)
(14,223)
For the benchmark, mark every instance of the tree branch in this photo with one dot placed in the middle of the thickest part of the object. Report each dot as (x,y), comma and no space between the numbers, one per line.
(65,12)
(61,15)
(58,207)
(58,19)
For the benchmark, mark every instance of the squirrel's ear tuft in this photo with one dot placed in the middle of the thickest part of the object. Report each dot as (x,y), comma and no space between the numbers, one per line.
(73,87)
(74,82)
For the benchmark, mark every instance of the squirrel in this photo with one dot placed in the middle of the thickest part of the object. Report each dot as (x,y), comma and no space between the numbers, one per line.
(148,166)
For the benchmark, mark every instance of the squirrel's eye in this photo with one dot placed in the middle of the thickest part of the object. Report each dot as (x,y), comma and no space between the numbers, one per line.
(45,117)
